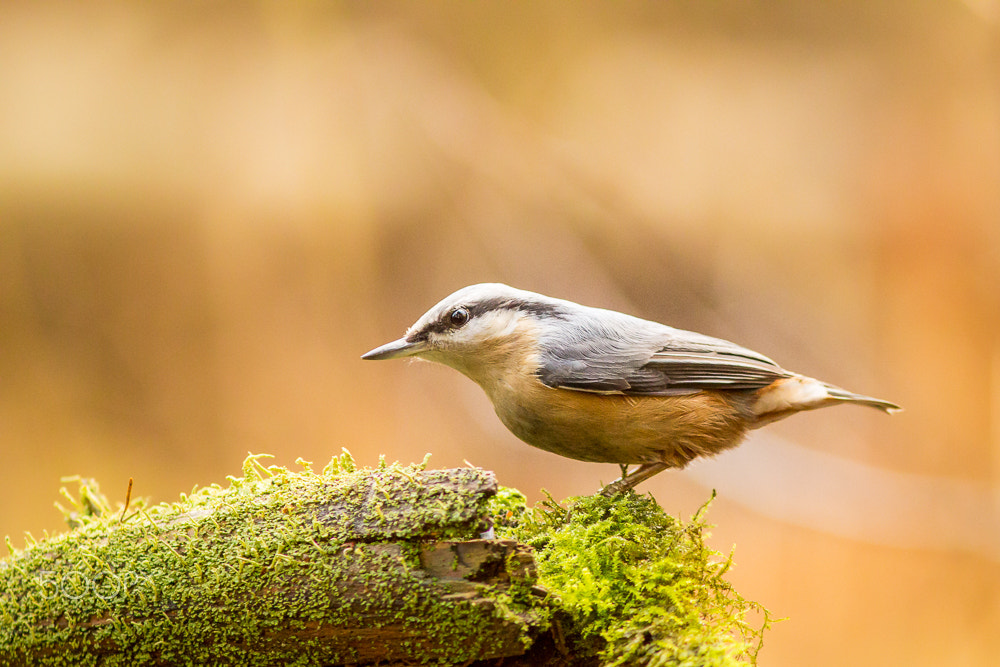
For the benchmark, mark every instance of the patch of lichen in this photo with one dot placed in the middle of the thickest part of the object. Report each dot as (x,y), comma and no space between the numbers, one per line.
(637,583)
(231,575)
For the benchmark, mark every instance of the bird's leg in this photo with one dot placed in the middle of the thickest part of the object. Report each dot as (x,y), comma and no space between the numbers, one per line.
(624,468)
(641,474)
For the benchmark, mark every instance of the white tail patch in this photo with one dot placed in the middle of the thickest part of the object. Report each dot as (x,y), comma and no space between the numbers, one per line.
(789,395)
(794,393)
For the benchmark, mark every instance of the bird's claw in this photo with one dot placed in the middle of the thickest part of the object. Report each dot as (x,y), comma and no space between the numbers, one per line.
(629,481)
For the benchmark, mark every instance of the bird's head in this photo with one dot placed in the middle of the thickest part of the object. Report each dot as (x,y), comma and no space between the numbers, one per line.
(476,328)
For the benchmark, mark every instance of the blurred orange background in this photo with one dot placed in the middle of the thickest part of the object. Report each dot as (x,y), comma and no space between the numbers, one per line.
(209,211)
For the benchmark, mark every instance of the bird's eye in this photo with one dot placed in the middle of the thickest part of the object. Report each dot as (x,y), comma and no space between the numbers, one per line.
(459,316)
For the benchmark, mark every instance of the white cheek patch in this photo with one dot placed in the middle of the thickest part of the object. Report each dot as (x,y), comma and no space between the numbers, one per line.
(488,326)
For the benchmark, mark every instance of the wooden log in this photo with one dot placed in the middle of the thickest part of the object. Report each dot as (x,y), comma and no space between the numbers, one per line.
(344,567)
(373,567)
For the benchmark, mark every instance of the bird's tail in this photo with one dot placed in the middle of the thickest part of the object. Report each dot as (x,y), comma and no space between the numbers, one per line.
(797,393)
(839,394)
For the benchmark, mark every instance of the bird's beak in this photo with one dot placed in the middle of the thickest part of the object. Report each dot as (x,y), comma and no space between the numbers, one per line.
(395,349)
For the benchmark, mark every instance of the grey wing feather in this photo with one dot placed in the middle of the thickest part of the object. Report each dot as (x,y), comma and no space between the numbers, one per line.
(645,358)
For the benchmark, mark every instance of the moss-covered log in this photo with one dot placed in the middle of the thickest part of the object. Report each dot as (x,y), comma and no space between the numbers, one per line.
(343,567)
(382,566)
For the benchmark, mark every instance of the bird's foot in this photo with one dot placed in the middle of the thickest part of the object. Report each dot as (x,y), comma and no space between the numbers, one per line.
(629,480)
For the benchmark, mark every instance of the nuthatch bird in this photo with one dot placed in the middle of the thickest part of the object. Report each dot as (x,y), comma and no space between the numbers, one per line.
(598,385)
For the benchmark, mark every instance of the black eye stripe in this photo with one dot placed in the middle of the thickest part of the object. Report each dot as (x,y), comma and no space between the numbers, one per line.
(507,303)
(444,323)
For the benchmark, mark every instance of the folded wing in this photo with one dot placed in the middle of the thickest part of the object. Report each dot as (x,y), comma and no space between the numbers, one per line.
(657,361)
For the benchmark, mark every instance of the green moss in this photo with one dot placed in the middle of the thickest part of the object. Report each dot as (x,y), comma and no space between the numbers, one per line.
(267,569)
(254,573)
(635,581)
